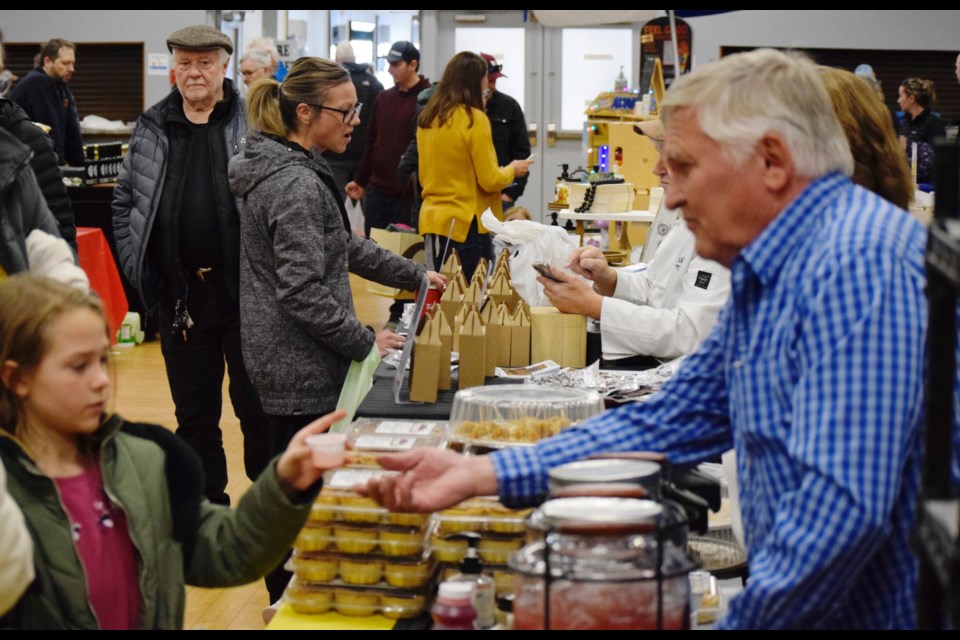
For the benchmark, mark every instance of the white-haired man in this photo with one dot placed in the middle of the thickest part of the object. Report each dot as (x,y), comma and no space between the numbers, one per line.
(255,64)
(813,373)
(177,228)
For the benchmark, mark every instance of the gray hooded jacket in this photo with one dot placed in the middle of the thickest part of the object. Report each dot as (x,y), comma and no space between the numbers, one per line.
(299,328)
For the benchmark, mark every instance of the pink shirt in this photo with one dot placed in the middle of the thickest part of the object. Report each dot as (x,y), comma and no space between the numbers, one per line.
(106,552)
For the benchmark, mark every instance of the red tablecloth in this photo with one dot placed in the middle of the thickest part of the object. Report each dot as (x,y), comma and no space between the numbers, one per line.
(97,261)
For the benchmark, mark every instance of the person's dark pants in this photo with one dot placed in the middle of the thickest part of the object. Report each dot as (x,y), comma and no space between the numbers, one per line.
(380,211)
(281,430)
(477,245)
(195,369)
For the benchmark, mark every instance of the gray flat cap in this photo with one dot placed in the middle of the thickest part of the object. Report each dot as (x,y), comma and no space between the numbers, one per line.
(199,37)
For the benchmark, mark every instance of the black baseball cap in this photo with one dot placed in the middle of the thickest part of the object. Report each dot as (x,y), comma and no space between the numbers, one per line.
(403,50)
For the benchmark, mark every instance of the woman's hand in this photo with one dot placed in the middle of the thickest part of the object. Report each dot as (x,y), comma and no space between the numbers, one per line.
(387,339)
(295,469)
(437,280)
(521,167)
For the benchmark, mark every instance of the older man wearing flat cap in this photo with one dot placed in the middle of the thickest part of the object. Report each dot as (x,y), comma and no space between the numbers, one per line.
(178,236)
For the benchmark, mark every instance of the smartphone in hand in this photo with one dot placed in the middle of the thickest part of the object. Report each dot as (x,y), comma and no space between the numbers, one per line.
(544,269)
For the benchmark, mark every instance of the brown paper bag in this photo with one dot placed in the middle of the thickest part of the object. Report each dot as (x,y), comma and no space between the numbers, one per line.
(408,245)
(501,289)
(452,300)
(483,265)
(561,337)
(446,346)
(473,294)
(506,335)
(473,342)
(424,370)
(458,324)
(451,265)
(488,313)
(520,337)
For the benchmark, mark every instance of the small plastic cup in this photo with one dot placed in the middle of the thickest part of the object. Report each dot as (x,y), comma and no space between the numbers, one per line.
(329,449)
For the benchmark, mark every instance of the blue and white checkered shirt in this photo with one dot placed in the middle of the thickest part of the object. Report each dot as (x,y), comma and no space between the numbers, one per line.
(814,373)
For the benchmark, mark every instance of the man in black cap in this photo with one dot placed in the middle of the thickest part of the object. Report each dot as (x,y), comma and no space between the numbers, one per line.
(178,237)
(386,200)
(509,129)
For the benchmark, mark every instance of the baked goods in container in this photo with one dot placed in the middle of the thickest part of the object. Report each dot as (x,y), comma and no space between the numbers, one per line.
(448,550)
(407,575)
(354,539)
(360,509)
(396,606)
(360,570)
(307,569)
(324,509)
(308,600)
(401,542)
(312,538)
(356,602)
(498,550)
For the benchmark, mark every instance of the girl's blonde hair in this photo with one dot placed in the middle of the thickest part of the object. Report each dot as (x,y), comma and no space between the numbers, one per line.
(29,304)
(272,107)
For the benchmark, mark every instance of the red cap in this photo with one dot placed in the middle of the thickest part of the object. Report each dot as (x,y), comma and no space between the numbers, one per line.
(493,69)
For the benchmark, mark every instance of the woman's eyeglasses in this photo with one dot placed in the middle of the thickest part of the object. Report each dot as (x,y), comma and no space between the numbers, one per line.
(347,113)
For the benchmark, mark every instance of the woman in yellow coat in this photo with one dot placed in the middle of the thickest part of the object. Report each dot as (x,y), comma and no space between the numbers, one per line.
(458,164)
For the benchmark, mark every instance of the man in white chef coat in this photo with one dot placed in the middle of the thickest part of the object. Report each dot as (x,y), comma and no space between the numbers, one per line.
(664,311)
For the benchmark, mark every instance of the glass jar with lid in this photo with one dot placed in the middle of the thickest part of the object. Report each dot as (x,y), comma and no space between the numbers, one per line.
(604,564)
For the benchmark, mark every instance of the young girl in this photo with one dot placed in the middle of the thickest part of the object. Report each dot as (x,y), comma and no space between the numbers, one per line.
(115,508)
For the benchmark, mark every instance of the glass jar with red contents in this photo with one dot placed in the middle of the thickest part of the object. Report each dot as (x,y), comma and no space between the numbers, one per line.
(602,563)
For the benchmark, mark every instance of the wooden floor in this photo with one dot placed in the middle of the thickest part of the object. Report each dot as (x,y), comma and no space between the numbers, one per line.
(142,394)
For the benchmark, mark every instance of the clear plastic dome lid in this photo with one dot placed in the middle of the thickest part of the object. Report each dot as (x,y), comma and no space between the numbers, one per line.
(503,415)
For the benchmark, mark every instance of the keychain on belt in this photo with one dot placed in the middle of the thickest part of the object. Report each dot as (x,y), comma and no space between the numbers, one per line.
(181,317)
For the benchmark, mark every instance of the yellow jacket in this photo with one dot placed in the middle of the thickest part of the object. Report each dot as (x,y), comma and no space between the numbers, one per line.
(459,174)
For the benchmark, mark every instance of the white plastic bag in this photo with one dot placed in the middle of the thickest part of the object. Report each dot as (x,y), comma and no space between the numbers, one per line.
(355,215)
(531,242)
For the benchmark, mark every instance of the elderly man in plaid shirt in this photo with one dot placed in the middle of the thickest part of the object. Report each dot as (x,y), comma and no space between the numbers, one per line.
(813,373)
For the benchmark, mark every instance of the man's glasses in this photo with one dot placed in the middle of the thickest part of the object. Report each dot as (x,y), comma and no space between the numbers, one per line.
(494,68)
(347,113)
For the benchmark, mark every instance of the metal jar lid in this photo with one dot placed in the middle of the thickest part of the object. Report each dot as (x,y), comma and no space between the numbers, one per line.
(642,472)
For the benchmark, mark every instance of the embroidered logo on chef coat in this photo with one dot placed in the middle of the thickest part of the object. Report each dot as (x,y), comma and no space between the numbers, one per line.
(703,279)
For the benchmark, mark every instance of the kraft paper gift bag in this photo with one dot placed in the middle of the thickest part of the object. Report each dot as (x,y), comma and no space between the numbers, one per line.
(561,337)
(506,335)
(358,382)
(451,265)
(425,368)
(452,300)
(488,313)
(474,293)
(408,245)
(446,346)
(458,324)
(473,343)
(520,337)
(501,289)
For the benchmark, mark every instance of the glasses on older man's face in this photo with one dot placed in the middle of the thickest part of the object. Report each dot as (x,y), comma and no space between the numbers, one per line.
(347,113)
(494,68)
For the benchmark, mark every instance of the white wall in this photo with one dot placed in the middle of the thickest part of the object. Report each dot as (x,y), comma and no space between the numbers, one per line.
(149,27)
(841,29)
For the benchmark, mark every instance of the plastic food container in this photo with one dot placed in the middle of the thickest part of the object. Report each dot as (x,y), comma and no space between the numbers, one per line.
(335,569)
(507,415)
(481,515)
(378,426)
(329,449)
(354,601)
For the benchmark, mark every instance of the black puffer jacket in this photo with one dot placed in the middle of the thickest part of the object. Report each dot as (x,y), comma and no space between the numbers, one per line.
(22,208)
(44,165)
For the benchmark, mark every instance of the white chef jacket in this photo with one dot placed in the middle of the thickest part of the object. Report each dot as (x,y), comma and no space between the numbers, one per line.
(667,310)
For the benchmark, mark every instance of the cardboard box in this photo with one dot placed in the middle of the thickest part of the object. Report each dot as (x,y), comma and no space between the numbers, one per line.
(408,245)
(491,321)
(561,337)
(452,300)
